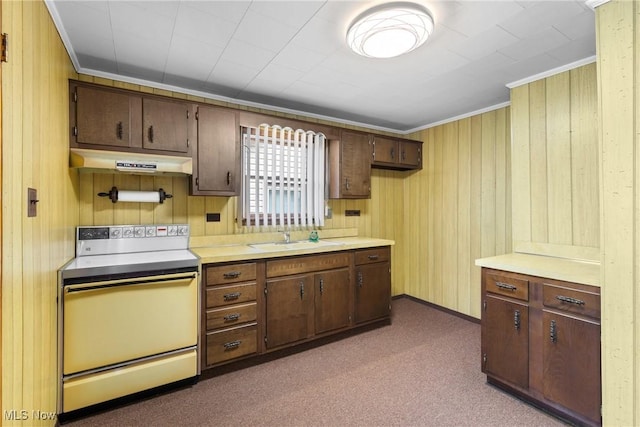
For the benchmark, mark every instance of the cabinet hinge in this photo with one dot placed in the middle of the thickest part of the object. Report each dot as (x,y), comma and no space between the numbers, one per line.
(265,291)
(484,359)
(484,305)
(75,131)
(265,339)
(187,114)
(197,181)
(197,115)
(187,142)
(75,96)
(4,48)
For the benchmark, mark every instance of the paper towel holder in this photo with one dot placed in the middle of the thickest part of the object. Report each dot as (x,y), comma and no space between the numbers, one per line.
(113,195)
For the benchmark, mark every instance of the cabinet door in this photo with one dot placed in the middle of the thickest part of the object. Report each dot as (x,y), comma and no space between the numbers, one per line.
(505,341)
(411,154)
(571,358)
(385,150)
(373,291)
(218,162)
(352,167)
(165,125)
(289,306)
(107,118)
(331,300)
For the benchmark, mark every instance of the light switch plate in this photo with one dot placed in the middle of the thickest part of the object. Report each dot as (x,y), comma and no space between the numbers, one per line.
(32,202)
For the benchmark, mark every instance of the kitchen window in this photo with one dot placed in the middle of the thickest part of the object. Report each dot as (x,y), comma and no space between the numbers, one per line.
(283,177)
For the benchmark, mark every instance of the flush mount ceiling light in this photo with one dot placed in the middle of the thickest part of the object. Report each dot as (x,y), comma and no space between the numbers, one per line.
(390,30)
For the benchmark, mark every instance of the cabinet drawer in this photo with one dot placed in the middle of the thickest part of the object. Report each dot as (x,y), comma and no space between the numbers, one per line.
(508,286)
(226,295)
(307,264)
(571,300)
(231,343)
(232,315)
(232,273)
(367,256)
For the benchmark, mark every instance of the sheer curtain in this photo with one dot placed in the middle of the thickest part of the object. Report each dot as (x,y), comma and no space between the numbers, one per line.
(283,173)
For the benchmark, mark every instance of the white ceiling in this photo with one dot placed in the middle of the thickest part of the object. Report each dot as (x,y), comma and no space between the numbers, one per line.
(291,55)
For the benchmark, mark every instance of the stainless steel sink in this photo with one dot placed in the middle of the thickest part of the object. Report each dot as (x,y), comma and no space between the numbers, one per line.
(294,245)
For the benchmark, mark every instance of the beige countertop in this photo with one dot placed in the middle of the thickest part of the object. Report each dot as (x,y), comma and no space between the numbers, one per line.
(584,272)
(244,251)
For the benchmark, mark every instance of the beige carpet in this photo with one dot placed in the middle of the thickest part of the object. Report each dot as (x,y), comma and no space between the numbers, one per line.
(422,370)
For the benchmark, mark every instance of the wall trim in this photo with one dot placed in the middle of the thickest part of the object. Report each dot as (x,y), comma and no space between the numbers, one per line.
(438,307)
(592,4)
(553,71)
(460,117)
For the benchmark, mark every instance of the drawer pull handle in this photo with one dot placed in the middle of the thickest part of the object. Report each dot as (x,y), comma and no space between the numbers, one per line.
(231,345)
(506,286)
(232,296)
(570,300)
(232,275)
(231,317)
(373,257)
(553,333)
(516,319)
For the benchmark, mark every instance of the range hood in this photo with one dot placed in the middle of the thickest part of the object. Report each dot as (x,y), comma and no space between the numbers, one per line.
(132,163)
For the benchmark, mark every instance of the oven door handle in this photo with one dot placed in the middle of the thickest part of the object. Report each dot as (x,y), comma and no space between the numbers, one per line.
(128,282)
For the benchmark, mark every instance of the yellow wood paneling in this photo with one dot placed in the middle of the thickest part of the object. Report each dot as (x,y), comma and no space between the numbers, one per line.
(618,46)
(34,84)
(463,194)
(555,164)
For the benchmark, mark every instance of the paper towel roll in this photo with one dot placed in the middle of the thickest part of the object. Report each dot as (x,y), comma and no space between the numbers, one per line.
(138,196)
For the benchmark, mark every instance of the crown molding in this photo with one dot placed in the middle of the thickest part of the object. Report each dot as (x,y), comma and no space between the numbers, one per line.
(592,4)
(552,72)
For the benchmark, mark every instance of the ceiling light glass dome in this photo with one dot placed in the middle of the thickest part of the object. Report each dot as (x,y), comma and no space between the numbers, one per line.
(390,30)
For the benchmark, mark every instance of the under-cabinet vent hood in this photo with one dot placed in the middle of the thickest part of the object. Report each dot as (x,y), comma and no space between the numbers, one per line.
(132,163)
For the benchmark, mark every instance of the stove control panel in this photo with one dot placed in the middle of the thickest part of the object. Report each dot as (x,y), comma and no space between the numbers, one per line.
(96,240)
(132,231)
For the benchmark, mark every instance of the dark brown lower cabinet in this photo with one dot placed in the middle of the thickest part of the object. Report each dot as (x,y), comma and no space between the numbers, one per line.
(505,338)
(373,284)
(331,306)
(541,341)
(255,307)
(289,314)
(569,355)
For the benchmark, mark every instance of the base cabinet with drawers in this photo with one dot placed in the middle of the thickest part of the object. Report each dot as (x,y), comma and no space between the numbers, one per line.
(541,341)
(260,306)
(230,313)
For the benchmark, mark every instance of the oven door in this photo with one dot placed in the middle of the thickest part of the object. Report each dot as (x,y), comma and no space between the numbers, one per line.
(113,322)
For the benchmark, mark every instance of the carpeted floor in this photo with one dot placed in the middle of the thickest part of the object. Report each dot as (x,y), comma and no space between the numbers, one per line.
(422,370)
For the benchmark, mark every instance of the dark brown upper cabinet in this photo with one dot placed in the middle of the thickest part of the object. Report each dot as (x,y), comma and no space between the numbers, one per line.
(393,153)
(108,118)
(217,166)
(350,166)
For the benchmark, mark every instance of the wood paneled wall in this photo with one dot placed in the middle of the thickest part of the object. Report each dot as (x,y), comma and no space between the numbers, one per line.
(555,165)
(618,46)
(457,209)
(34,154)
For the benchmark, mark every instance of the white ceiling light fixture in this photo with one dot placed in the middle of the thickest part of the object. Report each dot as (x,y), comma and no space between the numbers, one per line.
(390,30)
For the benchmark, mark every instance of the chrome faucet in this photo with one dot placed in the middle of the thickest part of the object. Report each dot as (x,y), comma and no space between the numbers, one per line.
(287,236)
